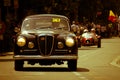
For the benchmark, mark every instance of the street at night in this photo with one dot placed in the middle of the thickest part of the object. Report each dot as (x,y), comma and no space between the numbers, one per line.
(93,64)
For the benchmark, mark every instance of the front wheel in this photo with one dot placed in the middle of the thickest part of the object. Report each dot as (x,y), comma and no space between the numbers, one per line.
(72,65)
(18,65)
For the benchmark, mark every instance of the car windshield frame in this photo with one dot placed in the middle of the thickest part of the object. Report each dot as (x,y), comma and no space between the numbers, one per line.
(33,24)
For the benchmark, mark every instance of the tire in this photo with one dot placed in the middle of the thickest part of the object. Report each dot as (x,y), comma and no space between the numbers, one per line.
(72,65)
(79,45)
(99,43)
(18,65)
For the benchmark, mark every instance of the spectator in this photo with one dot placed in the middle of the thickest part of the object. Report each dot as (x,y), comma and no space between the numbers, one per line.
(75,28)
(119,29)
(2,30)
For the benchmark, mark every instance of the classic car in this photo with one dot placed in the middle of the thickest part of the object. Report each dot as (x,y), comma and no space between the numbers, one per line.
(45,39)
(90,39)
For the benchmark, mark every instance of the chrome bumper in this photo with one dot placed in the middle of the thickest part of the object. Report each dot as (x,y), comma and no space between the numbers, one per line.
(26,57)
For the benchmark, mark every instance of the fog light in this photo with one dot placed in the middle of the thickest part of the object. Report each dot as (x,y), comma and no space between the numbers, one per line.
(31,45)
(60,45)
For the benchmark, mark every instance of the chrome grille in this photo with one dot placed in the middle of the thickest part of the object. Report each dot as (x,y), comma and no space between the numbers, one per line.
(46,43)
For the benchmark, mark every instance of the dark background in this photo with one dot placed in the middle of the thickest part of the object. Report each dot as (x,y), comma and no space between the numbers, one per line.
(12,12)
(79,10)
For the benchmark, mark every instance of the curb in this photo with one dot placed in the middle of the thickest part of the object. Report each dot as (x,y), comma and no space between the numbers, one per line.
(9,53)
(8,56)
(6,60)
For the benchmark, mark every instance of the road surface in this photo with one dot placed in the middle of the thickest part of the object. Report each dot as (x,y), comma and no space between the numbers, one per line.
(93,64)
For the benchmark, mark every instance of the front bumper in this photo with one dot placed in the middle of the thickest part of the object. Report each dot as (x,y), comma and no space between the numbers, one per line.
(38,57)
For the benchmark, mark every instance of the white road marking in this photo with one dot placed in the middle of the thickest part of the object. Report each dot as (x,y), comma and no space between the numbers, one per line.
(80,76)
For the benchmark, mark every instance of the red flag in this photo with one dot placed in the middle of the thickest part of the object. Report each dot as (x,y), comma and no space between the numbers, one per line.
(112,16)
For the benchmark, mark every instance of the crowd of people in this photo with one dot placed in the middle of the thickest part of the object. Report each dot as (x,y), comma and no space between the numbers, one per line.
(105,31)
(79,28)
(7,33)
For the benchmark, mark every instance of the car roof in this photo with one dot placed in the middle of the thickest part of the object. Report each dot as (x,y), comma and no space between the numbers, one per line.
(49,15)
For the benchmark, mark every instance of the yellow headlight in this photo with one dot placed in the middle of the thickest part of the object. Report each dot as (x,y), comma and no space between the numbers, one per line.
(21,41)
(70,42)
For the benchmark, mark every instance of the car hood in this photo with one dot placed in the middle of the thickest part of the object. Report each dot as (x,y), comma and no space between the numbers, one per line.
(50,32)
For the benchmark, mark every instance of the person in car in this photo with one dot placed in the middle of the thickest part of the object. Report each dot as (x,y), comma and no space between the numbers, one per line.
(93,34)
(85,32)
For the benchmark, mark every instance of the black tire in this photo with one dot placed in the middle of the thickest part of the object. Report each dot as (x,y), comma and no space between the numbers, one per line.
(18,65)
(99,43)
(72,65)
(79,45)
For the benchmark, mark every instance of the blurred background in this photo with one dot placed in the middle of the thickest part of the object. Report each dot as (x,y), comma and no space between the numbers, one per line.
(85,12)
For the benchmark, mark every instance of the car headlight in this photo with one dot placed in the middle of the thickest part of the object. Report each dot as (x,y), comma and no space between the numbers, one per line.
(21,41)
(70,41)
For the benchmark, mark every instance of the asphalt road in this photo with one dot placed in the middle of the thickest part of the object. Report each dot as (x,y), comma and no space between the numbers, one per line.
(93,64)
(101,63)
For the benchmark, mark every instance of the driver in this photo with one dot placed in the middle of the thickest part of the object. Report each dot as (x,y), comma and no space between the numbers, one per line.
(85,33)
(93,33)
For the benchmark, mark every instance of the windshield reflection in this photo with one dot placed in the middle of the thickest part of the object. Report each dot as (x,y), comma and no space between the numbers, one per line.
(34,24)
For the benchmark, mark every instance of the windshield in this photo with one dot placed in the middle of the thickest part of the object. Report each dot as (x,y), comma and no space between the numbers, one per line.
(35,24)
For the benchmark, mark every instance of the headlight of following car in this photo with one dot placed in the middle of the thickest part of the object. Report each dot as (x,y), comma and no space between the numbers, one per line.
(70,41)
(21,41)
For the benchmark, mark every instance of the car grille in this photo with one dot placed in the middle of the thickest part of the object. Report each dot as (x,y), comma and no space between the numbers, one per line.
(46,43)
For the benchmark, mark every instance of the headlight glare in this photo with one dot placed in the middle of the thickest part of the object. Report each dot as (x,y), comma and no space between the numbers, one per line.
(21,41)
(70,42)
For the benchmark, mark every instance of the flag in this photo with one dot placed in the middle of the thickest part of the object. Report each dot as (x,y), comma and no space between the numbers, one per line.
(112,16)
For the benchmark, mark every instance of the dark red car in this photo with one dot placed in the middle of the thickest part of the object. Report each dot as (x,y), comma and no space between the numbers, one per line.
(90,39)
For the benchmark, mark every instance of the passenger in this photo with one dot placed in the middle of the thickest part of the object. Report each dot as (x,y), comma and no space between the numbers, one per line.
(93,34)
(93,31)
(85,31)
